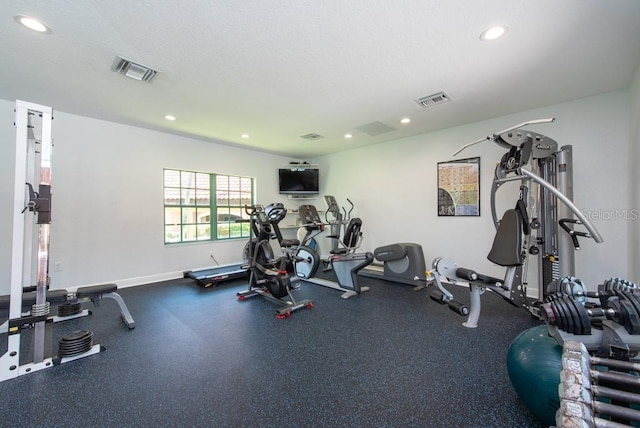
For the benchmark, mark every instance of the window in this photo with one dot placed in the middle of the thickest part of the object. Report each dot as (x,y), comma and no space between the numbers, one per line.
(188,206)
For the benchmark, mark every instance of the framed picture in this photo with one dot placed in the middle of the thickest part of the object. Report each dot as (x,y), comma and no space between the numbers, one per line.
(459,187)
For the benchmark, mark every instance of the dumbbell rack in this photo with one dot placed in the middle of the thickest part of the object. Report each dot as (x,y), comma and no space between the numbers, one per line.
(597,392)
(611,328)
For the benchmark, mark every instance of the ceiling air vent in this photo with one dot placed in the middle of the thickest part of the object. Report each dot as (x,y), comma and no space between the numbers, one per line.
(432,100)
(133,70)
(375,128)
(312,136)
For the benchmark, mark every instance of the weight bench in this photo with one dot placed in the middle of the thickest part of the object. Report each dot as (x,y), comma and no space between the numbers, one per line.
(60,298)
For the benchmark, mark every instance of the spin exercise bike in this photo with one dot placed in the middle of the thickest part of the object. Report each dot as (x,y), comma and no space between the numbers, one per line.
(527,229)
(269,276)
(345,264)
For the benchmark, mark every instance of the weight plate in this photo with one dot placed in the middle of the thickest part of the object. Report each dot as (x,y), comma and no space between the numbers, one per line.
(69,309)
(574,322)
(631,317)
(576,327)
(553,287)
(569,321)
(634,300)
(583,324)
(561,314)
(78,334)
(75,343)
(70,345)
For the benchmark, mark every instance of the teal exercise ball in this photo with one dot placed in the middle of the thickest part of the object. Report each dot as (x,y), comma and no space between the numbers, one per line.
(534,362)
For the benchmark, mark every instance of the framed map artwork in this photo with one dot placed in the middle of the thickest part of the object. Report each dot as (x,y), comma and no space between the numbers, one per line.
(459,187)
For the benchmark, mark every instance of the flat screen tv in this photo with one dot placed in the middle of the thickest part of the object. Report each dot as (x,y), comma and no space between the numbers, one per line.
(299,181)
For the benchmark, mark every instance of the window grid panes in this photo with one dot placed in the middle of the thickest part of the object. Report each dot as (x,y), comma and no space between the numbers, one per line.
(188,206)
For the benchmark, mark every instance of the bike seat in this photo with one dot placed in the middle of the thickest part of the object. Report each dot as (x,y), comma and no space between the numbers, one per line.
(288,243)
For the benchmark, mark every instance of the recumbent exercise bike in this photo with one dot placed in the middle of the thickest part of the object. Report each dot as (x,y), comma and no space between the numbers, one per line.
(344,261)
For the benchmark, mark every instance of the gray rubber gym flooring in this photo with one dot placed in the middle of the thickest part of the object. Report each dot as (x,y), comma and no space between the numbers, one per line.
(200,358)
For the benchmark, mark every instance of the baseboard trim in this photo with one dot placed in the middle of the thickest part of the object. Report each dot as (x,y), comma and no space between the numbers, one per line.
(141,280)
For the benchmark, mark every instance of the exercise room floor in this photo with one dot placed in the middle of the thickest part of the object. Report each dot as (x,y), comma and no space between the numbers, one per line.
(200,358)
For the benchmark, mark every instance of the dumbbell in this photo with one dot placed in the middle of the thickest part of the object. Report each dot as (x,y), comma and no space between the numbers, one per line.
(569,315)
(569,286)
(575,288)
(614,284)
(566,313)
(624,309)
(587,394)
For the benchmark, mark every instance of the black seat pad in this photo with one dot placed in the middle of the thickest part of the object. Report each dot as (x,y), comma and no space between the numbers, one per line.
(507,244)
(93,290)
(288,243)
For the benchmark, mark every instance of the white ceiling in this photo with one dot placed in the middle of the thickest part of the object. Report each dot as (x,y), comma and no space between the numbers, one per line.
(278,70)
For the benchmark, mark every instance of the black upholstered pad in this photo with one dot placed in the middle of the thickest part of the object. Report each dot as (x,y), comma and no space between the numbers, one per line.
(507,244)
(29,298)
(93,290)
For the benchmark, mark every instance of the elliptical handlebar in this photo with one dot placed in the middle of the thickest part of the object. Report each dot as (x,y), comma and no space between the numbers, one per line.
(347,215)
(333,208)
(275,212)
(252,209)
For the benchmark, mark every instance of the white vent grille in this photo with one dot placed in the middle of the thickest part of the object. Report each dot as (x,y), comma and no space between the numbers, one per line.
(312,136)
(432,100)
(133,70)
(375,128)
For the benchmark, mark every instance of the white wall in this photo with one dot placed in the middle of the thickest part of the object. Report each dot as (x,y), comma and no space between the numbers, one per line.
(394,185)
(634,179)
(107,221)
(107,192)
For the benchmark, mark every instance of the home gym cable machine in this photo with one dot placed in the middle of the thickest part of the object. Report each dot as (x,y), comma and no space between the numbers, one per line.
(531,228)
(33,162)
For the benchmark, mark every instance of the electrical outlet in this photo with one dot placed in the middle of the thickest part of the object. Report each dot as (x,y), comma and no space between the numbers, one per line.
(57,266)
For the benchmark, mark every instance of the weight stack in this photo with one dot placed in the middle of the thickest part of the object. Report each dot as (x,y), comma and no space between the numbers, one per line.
(550,269)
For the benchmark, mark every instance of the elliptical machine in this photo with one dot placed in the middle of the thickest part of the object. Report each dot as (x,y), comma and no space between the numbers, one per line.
(341,218)
(269,276)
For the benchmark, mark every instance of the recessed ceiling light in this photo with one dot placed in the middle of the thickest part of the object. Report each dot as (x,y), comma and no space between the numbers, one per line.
(494,32)
(170,117)
(405,120)
(32,24)
(347,136)
(245,135)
